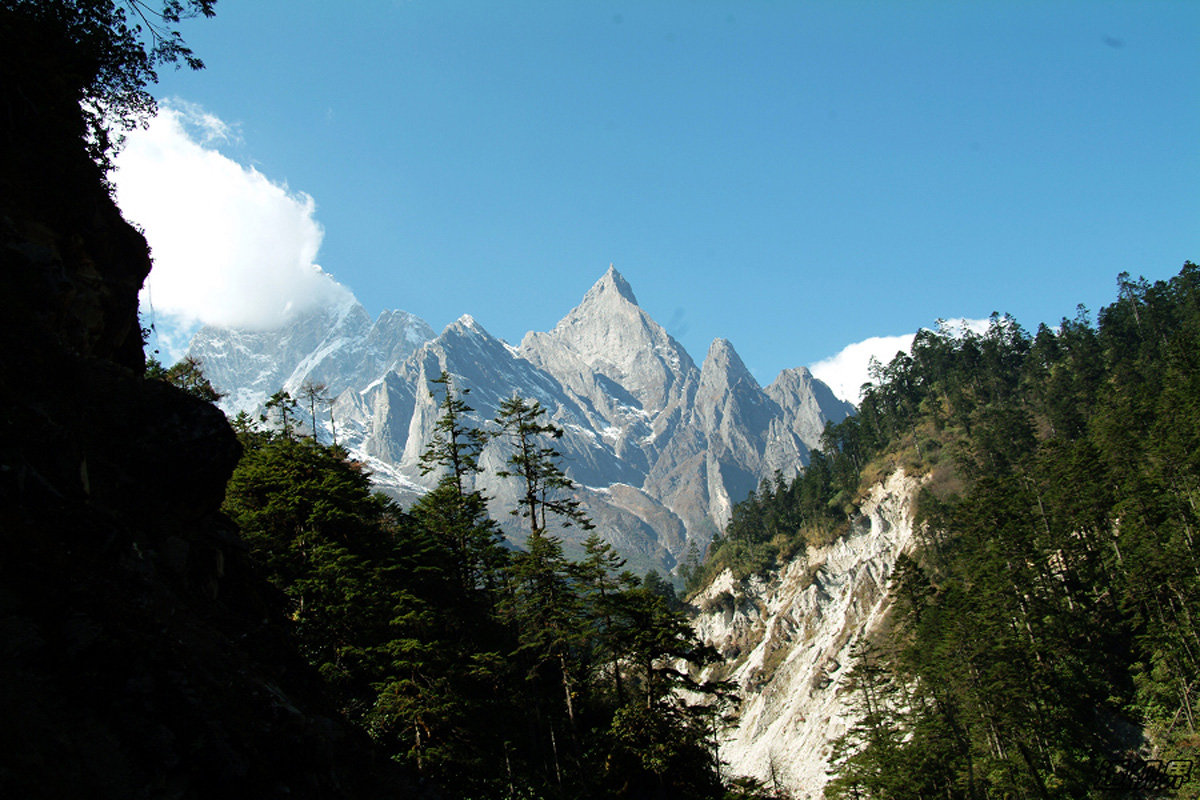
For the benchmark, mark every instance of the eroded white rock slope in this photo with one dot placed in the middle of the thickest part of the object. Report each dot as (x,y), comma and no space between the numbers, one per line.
(790,635)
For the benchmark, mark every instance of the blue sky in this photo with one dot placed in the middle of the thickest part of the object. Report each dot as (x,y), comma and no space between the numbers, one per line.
(791,176)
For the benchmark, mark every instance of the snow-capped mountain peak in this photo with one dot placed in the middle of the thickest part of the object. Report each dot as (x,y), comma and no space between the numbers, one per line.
(612,284)
(664,448)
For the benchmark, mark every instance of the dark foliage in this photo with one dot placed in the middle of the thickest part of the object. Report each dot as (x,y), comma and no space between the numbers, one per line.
(98,55)
(1047,627)
(187,374)
(485,673)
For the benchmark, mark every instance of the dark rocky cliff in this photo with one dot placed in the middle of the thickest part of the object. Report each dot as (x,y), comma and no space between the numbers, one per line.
(140,655)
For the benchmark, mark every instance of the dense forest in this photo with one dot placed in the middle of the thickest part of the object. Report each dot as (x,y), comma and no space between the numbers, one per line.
(486,671)
(1043,638)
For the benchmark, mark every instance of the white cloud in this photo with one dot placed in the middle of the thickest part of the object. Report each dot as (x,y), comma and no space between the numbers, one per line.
(846,372)
(230,246)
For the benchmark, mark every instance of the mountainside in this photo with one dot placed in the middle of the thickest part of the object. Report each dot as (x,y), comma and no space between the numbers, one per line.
(661,449)
(340,347)
(787,639)
(1026,627)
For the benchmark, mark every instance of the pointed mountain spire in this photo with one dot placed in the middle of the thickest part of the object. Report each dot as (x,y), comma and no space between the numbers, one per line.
(609,334)
(724,365)
(610,283)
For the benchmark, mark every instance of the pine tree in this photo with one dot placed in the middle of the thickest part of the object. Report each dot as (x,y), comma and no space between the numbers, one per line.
(187,374)
(601,578)
(285,406)
(455,445)
(312,522)
(455,511)
(536,466)
(314,393)
(663,744)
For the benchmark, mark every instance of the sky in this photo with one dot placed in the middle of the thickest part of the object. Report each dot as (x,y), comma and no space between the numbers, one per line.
(812,180)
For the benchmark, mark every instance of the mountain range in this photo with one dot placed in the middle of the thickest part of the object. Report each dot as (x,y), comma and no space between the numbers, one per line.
(661,449)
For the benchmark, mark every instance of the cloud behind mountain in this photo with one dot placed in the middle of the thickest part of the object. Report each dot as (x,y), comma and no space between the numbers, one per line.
(231,247)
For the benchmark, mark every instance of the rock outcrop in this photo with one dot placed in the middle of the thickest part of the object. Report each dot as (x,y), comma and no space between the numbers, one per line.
(787,640)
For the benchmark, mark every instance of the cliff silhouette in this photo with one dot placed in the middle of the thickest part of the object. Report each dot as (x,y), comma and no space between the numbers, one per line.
(140,654)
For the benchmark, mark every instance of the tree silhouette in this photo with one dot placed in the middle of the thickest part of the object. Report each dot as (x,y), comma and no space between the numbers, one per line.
(314,393)
(187,374)
(99,54)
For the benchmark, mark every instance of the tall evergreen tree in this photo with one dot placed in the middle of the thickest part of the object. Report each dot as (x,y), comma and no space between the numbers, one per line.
(284,405)
(314,393)
(535,465)
(455,511)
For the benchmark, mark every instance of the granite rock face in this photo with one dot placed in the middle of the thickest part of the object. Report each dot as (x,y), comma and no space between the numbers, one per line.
(662,449)
(340,347)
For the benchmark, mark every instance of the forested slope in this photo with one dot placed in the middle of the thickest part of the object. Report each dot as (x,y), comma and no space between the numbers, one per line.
(485,672)
(1043,640)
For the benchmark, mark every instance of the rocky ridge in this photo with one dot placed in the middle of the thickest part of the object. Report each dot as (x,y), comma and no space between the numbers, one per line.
(339,346)
(787,639)
(661,448)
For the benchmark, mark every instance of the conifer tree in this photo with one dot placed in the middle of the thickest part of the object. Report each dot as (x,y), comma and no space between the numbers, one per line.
(536,466)
(314,393)
(313,524)
(543,603)
(602,578)
(187,374)
(285,406)
(455,511)
(455,445)
(664,744)
(443,701)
